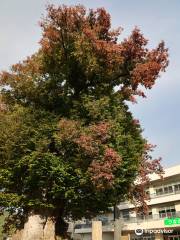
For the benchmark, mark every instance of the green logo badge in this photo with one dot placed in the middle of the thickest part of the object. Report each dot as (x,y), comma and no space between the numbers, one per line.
(171,221)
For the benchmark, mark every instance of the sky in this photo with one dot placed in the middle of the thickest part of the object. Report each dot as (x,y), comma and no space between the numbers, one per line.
(159,113)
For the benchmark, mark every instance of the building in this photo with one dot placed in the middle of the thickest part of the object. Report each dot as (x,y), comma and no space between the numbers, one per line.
(162,221)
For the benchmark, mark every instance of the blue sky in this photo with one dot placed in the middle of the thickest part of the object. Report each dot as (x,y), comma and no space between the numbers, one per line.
(159,114)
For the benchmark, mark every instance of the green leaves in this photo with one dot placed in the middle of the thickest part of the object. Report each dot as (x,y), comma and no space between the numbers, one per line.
(10,200)
(51,159)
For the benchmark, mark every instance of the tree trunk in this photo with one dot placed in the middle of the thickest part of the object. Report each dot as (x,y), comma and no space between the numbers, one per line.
(37,227)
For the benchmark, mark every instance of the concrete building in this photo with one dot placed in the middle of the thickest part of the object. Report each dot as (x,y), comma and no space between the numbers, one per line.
(162,222)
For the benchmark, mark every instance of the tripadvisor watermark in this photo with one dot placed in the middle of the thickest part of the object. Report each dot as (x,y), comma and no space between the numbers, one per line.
(140,232)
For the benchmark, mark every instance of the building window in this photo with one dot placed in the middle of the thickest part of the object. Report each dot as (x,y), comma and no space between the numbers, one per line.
(125,214)
(149,216)
(143,216)
(167,212)
(168,189)
(159,191)
(164,190)
(177,188)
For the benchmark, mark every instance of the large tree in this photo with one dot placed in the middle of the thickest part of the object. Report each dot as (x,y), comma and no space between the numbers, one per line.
(69,145)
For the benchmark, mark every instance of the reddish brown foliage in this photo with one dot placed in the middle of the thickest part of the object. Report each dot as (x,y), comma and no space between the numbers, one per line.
(102,171)
(88,145)
(100,131)
(128,64)
(92,142)
(147,167)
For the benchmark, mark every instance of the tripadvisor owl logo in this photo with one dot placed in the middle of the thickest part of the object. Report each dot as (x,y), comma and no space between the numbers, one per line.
(139,232)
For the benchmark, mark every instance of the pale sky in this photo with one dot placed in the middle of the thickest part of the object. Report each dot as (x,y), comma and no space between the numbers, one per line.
(159,114)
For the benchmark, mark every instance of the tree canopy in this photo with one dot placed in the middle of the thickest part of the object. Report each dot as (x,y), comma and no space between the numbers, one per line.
(69,145)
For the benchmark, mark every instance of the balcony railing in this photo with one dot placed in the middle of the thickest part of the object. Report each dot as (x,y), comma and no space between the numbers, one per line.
(153,217)
(105,223)
(108,222)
